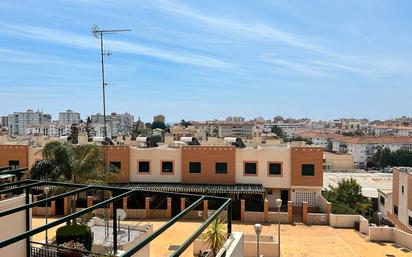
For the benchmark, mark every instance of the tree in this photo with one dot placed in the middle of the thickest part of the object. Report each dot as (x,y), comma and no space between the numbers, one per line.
(76,163)
(216,235)
(90,130)
(158,124)
(82,164)
(74,133)
(348,193)
(278,131)
(329,147)
(185,124)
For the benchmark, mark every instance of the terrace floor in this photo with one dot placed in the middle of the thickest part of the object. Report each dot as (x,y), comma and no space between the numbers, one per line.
(296,241)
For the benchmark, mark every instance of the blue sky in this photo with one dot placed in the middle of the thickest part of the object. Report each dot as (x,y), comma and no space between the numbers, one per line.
(209,59)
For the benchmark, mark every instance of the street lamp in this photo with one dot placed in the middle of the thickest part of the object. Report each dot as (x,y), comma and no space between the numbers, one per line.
(278,204)
(379,218)
(46,192)
(369,206)
(258,230)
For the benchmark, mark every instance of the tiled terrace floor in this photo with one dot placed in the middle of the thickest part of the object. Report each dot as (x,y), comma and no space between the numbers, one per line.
(296,241)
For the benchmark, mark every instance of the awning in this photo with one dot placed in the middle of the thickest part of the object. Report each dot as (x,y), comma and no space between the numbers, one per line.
(196,188)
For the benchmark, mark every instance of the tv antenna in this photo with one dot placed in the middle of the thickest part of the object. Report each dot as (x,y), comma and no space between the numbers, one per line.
(99,33)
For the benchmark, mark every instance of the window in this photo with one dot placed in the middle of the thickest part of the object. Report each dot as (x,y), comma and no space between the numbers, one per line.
(308,169)
(167,167)
(309,197)
(410,221)
(115,166)
(395,210)
(195,167)
(275,169)
(250,168)
(403,190)
(144,166)
(14,164)
(269,191)
(221,168)
(382,200)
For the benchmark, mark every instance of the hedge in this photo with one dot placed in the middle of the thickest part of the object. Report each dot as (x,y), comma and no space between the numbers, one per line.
(75,232)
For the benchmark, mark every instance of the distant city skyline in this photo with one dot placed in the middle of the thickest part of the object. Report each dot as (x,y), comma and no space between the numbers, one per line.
(201,60)
(83,116)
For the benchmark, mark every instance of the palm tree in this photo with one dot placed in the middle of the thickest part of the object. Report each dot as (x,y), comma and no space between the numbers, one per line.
(216,235)
(82,164)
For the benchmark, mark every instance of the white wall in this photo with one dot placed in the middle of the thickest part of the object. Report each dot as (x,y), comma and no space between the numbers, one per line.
(13,225)
(268,246)
(388,234)
(155,156)
(263,156)
(348,221)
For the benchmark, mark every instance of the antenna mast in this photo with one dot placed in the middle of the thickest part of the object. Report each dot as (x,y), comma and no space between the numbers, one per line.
(98,33)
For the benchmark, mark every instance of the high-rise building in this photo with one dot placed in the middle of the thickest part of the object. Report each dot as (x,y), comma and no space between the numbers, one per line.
(18,121)
(4,121)
(69,117)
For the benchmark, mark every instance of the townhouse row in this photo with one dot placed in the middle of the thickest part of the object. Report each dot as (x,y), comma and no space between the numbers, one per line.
(292,173)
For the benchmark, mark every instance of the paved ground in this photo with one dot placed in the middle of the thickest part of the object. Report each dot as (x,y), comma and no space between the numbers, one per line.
(296,241)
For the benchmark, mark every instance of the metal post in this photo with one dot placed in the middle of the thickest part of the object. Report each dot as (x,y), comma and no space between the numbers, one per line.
(104,98)
(257,246)
(118,221)
(278,231)
(128,233)
(47,239)
(114,230)
(27,222)
(229,219)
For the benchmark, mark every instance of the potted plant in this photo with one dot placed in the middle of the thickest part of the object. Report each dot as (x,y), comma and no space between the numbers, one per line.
(71,249)
(215,236)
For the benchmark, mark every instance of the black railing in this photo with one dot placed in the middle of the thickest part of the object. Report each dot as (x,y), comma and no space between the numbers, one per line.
(51,250)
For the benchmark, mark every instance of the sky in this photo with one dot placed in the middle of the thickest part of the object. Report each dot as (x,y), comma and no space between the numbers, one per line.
(199,60)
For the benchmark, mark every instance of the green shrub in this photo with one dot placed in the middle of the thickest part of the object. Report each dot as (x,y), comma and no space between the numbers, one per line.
(339,208)
(77,233)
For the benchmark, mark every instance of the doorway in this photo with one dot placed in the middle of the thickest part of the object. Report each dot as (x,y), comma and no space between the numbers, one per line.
(284,195)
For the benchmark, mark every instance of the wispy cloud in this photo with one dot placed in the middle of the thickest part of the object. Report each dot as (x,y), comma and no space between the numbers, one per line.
(81,41)
(253,31)
(316,68)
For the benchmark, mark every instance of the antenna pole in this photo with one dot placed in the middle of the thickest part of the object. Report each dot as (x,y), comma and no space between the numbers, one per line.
(104,97)
(98,33)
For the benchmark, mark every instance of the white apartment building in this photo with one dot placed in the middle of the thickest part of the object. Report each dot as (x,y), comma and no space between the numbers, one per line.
(69,117)
(235,119)
(54,129)
(18,121)
(363,148)
(392,130)
(98,129)
(235,130)
(225,129)
(117,123)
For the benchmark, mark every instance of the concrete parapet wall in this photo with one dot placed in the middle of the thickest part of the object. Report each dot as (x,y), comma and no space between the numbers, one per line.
(273,217)
(388,234)
(254,216)
(317,219)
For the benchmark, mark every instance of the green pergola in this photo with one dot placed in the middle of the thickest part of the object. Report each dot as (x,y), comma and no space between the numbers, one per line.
(196,188)
(26,186)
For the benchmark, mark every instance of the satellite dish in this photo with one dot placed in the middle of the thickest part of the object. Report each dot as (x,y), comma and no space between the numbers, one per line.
(120,214)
